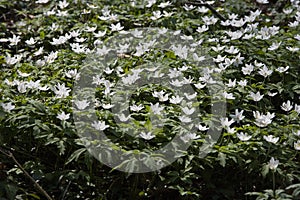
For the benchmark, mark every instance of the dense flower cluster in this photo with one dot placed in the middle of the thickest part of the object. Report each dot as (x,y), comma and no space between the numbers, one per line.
(255,50)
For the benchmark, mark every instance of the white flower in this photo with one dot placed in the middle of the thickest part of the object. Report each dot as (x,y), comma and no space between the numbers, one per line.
(23,74)
(190,136)
(156,15)
(238,23)
(150,3)
(73,74)
(39,51)
(174,73)
(272,94)
(164,4)
(190,96)
(297,37)
(262,1)
(232,50)
(51,57)
(116,27)
(263,120)
(7,106)
(242,83)
(287,11)
(147,136)
(63,4)
(226,123)
(123,118)
(247,69)
(13,60)
(185,119)
(202,29)
(156,108)
(228,95)
(102,51)
(3,40)
(297,133)
(100,125)
(168,14)
(293,24)
(34,84)
(130,79)
(187,80)
(75,33)
(256,96)
(218,48)
(176,83)
(180,51)
(219,58)
(43,88)
(91,29)
(14,40)
(188,111)
(136,108)
(81,105)
(99,34)
(243,136)
(265,71)
(248,36)
(206,78)
(198,58)
(297,108)
(61,91)
(42,1)
(202,128)
(282,69)
(161,95)
(22,87)
(200,85)
(292,49)
(79,40)
(176,99)
(107,106)
(231,83)
(59,41)
(188,7)
(297,145)
(271,138)
(79,48)
(287,106)
(274,46)
(63,116)
(30,42)
(238,116)
(273,164)
(209,20)
(202,9)
(234,34)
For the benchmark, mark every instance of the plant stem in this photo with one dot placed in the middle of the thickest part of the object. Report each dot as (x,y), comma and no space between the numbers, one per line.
(273,173)
(39,188)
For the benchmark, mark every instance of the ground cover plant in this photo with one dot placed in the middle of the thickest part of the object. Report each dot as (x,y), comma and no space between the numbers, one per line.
(245,51)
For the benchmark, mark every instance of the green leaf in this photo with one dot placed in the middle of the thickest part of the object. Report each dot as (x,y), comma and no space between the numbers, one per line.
(265,170)
(42,35)
(222,159)
(34,196)
(75,155)
(11,191)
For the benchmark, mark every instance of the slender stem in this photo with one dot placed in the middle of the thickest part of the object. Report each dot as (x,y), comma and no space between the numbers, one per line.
(269,147)
(273,172)
(39,188)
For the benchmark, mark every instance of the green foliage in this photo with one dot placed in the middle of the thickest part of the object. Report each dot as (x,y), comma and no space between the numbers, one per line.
(54,154)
